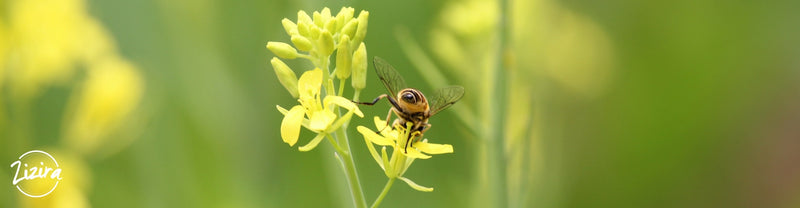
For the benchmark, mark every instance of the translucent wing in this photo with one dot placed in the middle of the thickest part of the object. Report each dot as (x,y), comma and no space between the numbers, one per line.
(389,76)
(445,97)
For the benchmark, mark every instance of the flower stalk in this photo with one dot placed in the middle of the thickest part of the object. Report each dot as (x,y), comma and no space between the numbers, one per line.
(496,150)
(322,108)
(383,193)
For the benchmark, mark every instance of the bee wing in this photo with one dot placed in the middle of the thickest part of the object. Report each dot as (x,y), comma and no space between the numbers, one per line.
(445,97)
(389,76)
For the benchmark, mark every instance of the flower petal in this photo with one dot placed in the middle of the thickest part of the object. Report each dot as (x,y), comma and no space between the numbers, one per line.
(431,148)
(373,137)
(344,103)
(371,148)
(309,84)
(283,111)
(320,120)
(313,143)
(385,158)
(415,185)
(339,122)
(290,126)
(379,123)
(414,153)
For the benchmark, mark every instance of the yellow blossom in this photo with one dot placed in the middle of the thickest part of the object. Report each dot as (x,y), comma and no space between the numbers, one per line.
(44,58)
(314,113)
(111,92)
(396,138)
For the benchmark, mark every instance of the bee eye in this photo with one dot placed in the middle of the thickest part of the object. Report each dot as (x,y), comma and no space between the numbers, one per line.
(408,97)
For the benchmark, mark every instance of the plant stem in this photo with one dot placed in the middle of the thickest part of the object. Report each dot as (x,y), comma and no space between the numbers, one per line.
(496,147)
(350,171)
(343,148)
(383,193)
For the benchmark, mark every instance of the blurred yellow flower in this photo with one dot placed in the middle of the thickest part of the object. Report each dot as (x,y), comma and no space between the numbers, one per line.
(111,92)
(314,113)
(46,36)
(70,192)
(49,42)
(396,165)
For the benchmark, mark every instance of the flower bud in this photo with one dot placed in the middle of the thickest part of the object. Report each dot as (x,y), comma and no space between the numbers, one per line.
(349,29)
(285,75)
(326,14)
(289,26)
(302,43)
(340,19)
(318,19)
(302,29)
(282,50)
(343,58)
(315,32)
(360,67)
(361,32)
(330,26)
(303,17)
(326,43)
(346,13)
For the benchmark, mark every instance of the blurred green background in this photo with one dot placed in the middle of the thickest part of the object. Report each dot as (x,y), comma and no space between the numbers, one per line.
(610,103)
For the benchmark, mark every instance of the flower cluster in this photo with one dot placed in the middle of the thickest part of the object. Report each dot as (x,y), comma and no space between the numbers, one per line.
(316,39)
(396,165)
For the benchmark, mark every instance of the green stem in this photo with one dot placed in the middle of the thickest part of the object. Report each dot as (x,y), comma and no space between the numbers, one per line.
(356,95)
(496,147)
(333,142)
(341,86)
(383,193)
(343,147)
(350,171)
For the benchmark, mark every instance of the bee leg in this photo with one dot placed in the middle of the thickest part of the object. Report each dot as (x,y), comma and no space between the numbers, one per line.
(414,136)
(388,116)
(427,126)
(373,101)
(420,133)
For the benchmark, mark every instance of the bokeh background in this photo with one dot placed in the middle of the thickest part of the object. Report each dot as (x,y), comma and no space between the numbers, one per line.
(617,103)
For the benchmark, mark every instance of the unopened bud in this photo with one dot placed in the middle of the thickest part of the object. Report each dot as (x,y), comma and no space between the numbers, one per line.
(318,19)
(326,14)
(350,28)
(302,43)
(282,50)
(360,67)
(302,29)
(303,17)
(330,26)
(344,58)
(289,26)
(315,32)
(361,32)
(286,76)
(326,43)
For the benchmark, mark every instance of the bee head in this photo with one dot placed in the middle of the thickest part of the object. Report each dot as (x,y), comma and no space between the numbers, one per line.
(412,96)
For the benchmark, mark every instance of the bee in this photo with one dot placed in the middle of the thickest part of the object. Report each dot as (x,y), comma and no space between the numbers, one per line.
(409,104)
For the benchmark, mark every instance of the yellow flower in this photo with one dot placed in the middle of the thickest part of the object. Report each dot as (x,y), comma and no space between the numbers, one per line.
(110,94)
(314,113)
(396,165)
(71,192)
(42,58)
